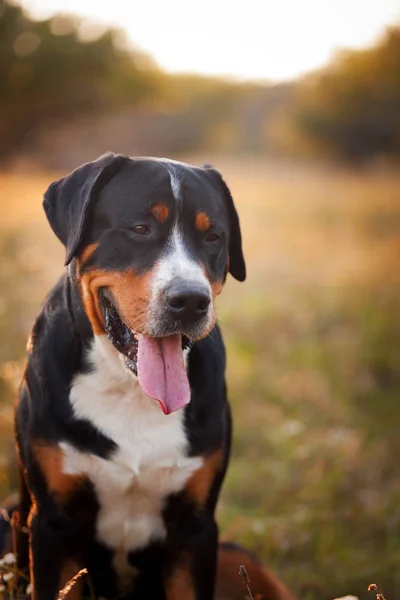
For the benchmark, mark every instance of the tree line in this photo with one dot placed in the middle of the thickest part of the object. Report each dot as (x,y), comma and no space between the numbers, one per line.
(50,75)
(352,107)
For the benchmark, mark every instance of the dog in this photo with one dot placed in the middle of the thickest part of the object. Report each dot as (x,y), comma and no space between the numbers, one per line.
(123,428)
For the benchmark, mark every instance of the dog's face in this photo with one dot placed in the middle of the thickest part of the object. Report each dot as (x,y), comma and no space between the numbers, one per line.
(154,241)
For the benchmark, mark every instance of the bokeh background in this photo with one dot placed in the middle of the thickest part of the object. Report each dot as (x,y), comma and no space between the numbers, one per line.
(308,138)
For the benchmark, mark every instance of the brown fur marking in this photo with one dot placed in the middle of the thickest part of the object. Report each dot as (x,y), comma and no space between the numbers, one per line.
(87,253)
(130,292)
(198,486)
(216,288)
(202,221)
(50,459)
(160,212)
(179,586)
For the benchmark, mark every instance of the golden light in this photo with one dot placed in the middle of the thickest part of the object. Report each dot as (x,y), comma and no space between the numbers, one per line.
(252,39)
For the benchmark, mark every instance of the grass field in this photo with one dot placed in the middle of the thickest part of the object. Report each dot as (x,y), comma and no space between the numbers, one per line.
(314,365)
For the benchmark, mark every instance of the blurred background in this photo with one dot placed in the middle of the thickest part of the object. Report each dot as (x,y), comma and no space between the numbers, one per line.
(298,104)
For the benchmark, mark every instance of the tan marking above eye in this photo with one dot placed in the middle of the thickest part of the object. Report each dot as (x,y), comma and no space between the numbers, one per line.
(203,222)
(160,212)
(87,253)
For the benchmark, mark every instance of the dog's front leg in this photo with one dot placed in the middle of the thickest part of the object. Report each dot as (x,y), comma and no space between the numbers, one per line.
(191,552)
(54,558)
(60,522)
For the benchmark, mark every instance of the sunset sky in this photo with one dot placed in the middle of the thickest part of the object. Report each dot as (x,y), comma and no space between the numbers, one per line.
(246,39)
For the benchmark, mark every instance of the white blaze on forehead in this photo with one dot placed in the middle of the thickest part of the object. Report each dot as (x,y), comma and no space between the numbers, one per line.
(175,184)
(175,176)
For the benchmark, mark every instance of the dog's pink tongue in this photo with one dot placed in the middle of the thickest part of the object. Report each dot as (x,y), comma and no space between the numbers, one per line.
(161,371)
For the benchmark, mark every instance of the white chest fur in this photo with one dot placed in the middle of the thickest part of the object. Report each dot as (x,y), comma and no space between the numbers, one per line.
(150,463)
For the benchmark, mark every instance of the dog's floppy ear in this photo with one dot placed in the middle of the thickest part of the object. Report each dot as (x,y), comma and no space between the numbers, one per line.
(68,200)
(237,266)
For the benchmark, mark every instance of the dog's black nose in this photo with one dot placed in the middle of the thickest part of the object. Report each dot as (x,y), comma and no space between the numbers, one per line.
(186,301)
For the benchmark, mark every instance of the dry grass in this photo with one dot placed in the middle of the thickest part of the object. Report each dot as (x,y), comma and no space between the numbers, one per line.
(313,365)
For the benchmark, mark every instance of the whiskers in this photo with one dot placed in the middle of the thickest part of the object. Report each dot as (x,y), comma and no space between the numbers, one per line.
(137,324)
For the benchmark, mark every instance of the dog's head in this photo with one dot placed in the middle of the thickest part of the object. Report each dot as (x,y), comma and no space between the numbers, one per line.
(153,241)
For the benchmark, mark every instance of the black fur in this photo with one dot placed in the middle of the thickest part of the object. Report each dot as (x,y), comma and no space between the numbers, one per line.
(67,201)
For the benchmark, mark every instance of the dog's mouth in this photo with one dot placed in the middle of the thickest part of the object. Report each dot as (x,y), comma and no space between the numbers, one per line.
(156,361)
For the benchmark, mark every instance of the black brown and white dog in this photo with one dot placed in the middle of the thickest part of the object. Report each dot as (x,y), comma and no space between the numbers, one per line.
(122,424)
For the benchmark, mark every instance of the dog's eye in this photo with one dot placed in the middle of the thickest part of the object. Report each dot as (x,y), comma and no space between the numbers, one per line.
(213,237)
(141,229)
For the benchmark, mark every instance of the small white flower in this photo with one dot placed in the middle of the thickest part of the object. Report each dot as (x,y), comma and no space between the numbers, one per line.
(29,589)
(258,527)
(2,563)
(8,576)
(9,559)
(2,588)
